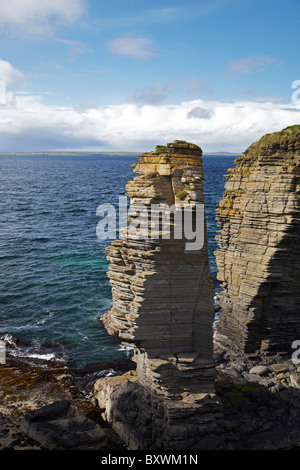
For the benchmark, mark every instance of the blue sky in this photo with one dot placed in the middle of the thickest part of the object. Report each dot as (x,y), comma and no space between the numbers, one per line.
(126,75)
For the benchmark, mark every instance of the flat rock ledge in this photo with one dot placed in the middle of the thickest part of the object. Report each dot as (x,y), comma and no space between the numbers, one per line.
(59,426)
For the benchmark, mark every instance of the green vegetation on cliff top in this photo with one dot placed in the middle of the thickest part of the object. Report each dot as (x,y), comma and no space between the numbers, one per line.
(269,144)
(289,135)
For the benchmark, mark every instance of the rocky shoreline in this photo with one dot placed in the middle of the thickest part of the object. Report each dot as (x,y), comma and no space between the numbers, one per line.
(27,387)
(260,397)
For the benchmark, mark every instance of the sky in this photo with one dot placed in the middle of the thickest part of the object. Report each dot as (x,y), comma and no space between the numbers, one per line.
(127,75)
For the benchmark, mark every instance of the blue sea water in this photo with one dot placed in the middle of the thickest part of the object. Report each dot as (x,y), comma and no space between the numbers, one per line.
(53,283)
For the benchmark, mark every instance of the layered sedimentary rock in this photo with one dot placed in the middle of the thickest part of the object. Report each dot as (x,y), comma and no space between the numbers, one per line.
(163,304)
(177,399)
(162,293)
(259,246)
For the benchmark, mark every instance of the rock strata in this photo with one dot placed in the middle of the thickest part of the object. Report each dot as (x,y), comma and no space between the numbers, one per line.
(192,390)
(259,247)
(163,304)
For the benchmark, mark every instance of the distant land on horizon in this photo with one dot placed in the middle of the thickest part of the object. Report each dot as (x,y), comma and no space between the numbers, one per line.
(70,153)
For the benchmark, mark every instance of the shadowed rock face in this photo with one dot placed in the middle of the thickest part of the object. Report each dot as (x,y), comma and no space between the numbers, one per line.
(259,254)
(59,426)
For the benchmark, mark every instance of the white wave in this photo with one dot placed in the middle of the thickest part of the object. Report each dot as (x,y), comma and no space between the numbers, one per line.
(46,357)
(26,352)
(18,352)
(128,348)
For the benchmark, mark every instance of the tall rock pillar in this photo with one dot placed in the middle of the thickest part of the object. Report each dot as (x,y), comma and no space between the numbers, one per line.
(259,246)
(163,305)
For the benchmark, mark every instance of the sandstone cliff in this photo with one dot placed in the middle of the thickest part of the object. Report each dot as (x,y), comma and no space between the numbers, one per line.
(188,392)
(162,293)
(163,303)
(259,255)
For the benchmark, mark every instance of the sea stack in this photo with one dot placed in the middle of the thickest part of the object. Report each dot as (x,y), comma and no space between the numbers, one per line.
(163,305)
(259,247)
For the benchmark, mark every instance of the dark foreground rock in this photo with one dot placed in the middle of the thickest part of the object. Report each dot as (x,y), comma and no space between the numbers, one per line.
(26,388)
(260,404)
(59,426)
(260,400)
(259,408)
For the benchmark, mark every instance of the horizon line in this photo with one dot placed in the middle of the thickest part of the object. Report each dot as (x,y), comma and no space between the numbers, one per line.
(86,152)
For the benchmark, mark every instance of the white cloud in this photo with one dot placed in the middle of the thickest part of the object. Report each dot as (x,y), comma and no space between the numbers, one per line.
(150,16)
(30,125)
(200,113)
(248,65)
(12,77)
(153,94)
(77,48)
(136,47)
(158,92)
(38,16)
(162,14)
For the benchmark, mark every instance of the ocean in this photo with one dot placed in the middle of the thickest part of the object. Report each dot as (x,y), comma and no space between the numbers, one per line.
(53,283)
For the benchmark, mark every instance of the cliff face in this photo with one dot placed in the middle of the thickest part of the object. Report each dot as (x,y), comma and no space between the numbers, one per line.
(259,240)
(162,292)
(178,398)
(163,301)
